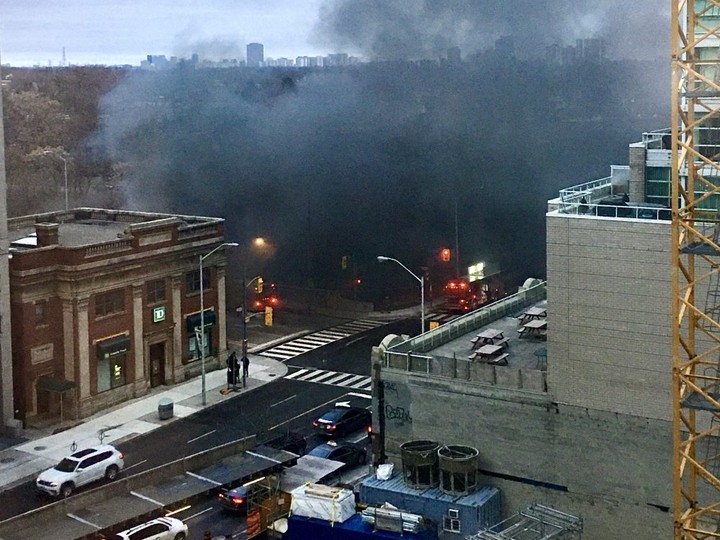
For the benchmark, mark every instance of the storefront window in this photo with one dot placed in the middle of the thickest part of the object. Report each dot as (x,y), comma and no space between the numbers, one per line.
(111,371)
(194,343)
(112,362)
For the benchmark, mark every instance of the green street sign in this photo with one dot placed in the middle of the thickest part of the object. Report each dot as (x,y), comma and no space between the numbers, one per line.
(159,314)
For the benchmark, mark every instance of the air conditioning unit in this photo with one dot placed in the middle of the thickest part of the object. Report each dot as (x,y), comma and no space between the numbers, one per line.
(453,513)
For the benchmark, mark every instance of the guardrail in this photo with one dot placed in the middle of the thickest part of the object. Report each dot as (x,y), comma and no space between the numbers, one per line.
(57,516)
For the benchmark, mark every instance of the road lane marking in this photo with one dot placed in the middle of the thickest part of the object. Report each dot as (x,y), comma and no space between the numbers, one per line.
(134,465)
(201,436)
(356,394)
(81,520)
(321,406)
(146,498)
(284,400)
(203,478)
(198,514)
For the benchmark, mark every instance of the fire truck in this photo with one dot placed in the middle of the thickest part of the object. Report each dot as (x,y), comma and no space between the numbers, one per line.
(463,295)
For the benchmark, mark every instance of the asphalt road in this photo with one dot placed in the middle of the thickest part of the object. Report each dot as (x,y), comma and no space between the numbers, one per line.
(280,405)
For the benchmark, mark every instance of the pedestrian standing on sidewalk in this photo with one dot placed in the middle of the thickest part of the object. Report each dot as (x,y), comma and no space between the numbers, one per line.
(246,364)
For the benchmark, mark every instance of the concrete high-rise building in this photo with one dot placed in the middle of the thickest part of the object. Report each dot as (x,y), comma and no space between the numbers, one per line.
(255,55)
(581,422)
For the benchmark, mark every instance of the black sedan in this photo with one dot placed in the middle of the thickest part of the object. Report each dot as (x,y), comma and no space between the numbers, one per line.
(350,454)
(342,420)
(236,499)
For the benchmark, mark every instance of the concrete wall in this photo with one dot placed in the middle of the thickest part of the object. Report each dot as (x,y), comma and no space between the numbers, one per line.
(615,471)
(609,311)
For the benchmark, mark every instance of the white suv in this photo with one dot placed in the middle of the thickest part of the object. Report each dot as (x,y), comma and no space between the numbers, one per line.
(164,528)
(81,468)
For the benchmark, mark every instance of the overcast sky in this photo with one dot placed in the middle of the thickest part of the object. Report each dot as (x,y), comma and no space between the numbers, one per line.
(34,32)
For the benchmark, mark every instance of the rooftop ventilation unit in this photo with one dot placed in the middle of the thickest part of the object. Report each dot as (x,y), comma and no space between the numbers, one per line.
(458,469)
(420,463)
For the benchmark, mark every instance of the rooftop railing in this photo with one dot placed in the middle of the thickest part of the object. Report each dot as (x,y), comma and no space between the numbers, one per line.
(471,321)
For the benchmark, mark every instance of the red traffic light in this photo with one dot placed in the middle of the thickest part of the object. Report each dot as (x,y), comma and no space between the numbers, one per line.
(445,254)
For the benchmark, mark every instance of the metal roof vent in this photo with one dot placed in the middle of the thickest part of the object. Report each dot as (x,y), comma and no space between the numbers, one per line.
(458,469)
(420,463)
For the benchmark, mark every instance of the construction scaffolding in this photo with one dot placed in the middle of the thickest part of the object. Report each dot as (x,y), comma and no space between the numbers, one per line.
(696,266)
(536,522)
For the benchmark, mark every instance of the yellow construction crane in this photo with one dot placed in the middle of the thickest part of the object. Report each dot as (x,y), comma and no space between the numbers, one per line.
(696,266)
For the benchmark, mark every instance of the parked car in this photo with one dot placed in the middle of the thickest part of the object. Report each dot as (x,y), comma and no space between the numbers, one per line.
(236,499)
(163,528)
(350,454)
(343,420)
(81,468)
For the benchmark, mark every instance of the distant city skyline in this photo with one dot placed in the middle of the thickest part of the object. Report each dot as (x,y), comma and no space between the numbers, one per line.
(91,32)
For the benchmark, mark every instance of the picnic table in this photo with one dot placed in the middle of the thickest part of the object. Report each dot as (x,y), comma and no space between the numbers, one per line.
(533,313)
(489,336)
(492,354)
(534,328)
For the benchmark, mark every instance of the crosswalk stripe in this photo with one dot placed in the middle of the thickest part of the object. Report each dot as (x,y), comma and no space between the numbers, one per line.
(311,375)
(353,379)
(316,342)
(346,378)
(309,342)
(339,377)
(324,376)
(290,347)
(273,354)
(332,378)
(296,374)
(333,335)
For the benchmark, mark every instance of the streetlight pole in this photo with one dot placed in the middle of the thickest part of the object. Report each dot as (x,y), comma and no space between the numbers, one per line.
(259,243)
(244,326)
(202,316)
(421,279)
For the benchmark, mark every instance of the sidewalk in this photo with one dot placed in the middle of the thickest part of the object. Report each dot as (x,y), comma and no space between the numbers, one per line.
(22,462)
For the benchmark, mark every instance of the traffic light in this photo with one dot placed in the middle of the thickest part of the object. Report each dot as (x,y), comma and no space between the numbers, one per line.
(260,282)
(344,262)
(445,254)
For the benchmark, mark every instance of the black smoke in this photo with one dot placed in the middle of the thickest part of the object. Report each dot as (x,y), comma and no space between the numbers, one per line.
(419,29)
(374,159)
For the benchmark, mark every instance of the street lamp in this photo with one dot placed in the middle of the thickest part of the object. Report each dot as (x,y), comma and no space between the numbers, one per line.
(49,153)
(421,279)
(202,315)
(258,243)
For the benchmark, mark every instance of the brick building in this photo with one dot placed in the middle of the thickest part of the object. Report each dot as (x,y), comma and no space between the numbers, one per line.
(106,304)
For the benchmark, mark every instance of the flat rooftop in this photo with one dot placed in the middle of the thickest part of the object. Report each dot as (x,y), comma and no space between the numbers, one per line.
(521,350)
(87,226)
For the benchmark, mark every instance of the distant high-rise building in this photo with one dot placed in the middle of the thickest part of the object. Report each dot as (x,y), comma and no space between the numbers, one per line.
(255,55)
(453,55)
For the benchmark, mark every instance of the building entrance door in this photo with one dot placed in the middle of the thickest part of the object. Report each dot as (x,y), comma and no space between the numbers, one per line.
(157,364)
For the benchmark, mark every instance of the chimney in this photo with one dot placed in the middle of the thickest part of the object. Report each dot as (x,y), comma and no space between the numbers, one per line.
(47,234)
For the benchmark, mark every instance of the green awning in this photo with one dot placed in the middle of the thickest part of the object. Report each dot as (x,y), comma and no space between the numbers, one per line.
(116,345)
(193,321)
(54,384)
